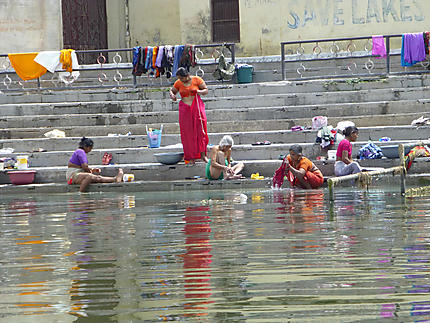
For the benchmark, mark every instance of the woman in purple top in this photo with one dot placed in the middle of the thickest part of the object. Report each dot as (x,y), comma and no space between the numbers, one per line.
(78,171)
(344,164)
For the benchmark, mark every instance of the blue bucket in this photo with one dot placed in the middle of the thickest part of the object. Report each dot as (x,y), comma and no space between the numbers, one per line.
(154,137)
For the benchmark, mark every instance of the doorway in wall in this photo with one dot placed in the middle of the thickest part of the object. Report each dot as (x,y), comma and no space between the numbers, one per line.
(84,27)
(225,21)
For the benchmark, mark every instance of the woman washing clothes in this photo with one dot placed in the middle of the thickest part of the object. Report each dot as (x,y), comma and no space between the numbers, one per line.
(78,171)
(300,171)
(192,115)
(344,164)
(219,165)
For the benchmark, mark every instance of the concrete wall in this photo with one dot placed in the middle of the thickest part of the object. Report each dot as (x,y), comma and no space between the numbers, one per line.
(30,25)
(265,23)
(33,25)
(116,25)
(155,22)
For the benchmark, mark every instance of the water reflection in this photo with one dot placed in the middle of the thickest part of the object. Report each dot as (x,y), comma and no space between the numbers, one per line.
(219,256)
(197,260)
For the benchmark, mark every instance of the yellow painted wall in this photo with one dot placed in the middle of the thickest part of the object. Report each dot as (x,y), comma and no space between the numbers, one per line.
(30,25)
(265,23)
(195,19)
(154,22)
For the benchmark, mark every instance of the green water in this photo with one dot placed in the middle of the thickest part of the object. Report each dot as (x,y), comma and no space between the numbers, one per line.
(224,256)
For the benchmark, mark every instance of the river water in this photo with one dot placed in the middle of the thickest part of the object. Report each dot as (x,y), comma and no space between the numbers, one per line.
(219,256)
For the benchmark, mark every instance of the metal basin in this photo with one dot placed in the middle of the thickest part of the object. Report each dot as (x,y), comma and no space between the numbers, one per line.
(169,158)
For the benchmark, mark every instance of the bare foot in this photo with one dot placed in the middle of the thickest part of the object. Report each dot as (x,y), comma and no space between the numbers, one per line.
(236,176)
(119,176)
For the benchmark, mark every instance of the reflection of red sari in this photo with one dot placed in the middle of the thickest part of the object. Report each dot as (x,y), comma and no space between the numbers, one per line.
(192,123)
(197,259)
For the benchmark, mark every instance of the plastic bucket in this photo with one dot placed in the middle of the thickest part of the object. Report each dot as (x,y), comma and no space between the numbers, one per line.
(22,162)
(154,137)
(331,154)
(244,74)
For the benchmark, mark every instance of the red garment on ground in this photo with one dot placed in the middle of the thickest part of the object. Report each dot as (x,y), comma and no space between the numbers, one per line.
(315,179)
(193,126)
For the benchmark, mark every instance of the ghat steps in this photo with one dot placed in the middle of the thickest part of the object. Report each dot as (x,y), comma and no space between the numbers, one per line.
(249,112)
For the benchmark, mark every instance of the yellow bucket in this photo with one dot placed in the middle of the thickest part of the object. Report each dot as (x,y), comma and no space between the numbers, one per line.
(22,162)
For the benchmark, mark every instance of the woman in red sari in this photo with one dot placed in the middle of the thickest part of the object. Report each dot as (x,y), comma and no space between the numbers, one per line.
(192,115)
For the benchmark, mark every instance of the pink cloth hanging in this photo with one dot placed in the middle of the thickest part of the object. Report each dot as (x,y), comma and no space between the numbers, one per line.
(378,48)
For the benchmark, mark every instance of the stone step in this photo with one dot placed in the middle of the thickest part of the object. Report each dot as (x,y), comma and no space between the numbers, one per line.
(149,171)
(265,113)
(100,114)
(158,172)
(229,101)
(219,90)
(137,186)
(122,127)
(146,155)
(240,138)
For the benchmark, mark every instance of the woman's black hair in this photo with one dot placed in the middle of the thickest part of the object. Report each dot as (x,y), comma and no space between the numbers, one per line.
(297,149)
(182,72)
(350,130)
(86,142)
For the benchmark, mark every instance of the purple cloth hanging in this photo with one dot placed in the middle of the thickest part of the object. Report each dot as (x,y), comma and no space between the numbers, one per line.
(378,48)
(413,48)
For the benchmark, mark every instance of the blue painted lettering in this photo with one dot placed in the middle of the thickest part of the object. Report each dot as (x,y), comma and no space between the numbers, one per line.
(404,11)
(355,19)
(324,13)
(387,9)
(337,12)
(420,16)
(308,17)
(372,11)
(296,22)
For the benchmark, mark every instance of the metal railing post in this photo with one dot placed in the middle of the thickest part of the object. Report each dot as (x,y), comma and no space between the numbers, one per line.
(283,61)
(387,47)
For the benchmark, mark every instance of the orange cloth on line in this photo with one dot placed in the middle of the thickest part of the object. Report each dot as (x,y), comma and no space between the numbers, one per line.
(25,66)
(66,59)
(154,59)
(190,90)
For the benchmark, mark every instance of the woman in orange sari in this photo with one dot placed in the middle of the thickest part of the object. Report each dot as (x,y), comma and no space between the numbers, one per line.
(302,172)
(192,115)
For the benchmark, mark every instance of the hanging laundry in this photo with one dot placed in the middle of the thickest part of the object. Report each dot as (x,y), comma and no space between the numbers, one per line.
(154,60)
(187,58)
(413,50)
(159,56)
(66,59)
(51,61)
(426,41)
(138,68)
(378,48)
(179,49)
(25,66)
(148,61)
(167,60)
